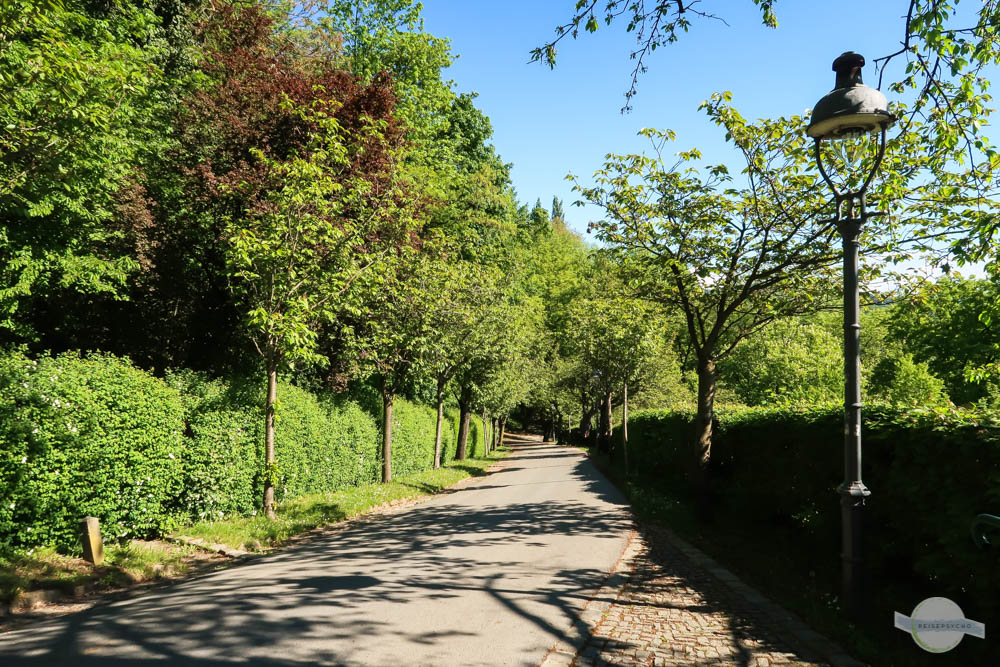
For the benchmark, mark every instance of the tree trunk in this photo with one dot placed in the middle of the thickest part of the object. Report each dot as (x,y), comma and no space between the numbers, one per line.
(272,395)
(465,416)
(706,411)
(625,426)
(703,435)
(503,429)
(387,400)
(486,444)
(495,429)
(440,421)
(587,417)
(604,437)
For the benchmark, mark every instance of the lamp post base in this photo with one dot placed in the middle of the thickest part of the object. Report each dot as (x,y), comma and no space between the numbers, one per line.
(852,503)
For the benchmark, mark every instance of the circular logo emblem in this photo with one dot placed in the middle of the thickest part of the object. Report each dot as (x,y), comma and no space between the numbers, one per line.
(938,625)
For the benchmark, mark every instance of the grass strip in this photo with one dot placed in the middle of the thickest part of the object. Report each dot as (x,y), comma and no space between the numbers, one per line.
(258,533)
(124,564)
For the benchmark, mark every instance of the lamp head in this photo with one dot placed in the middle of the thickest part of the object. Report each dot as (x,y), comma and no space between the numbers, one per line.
(851,108)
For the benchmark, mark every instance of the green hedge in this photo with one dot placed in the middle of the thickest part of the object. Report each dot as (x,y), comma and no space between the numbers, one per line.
(319,446)
(85,435)
(413,428)
(94,435)
(931,472)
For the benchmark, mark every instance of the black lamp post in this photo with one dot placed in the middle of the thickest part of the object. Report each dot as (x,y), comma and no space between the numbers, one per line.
(852,109)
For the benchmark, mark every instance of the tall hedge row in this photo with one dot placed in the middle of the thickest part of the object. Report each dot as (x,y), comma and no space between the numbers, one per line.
(931,472)
(94,435)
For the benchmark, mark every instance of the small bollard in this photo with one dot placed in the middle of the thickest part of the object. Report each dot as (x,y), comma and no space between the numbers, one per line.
(90,533)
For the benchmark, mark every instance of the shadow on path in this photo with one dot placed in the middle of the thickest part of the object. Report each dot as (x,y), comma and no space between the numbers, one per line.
(313,602)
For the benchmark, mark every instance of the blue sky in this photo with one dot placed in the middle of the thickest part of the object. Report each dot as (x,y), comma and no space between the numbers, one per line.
(552,122)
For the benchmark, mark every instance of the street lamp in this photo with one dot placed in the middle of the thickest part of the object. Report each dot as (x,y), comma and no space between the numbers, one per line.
(851,110)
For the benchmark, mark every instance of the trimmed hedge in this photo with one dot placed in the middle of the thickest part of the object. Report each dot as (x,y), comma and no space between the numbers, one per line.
(85,435)
(319,446)
(931,472)
(94,435)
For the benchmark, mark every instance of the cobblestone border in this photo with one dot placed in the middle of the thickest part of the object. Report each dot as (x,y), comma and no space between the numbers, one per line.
(563,653)
(785,622)
(790,627)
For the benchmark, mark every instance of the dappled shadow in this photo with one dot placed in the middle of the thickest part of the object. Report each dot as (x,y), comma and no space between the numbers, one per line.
(407,583)
(670,595)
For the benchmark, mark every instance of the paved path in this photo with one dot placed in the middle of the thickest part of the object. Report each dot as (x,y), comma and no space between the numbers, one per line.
(509,569)
(493,574)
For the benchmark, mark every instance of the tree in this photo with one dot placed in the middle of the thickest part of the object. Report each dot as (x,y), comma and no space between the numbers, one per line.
(899,380)
(294,256)
(78,89)
(396,330)
(558,213)
(733,259)
(622,343)
(296,172)
(949,325)
(468,313)
(386,36)
(790,361)
(730,260)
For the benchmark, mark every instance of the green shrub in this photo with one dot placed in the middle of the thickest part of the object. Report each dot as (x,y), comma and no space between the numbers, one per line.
(899,380)
(96,436)
(85,436)
(791,361)
(412,437)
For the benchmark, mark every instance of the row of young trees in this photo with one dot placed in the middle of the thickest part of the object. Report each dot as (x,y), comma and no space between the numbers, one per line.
(243,187)
(733,254)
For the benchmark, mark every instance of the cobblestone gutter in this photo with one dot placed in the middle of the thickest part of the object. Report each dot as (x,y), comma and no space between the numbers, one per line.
(667,603)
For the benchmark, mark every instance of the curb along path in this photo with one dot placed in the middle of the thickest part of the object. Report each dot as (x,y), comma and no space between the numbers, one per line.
(674,605)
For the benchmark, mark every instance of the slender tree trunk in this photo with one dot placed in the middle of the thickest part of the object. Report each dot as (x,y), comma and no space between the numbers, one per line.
(440,421)
(465,417)
(272,395)
(487,433)
(587,416)
(486,444)
(625,426)
(387,401)
(604,439)
(495,430)
(703,435)
(503,429)
(595,430)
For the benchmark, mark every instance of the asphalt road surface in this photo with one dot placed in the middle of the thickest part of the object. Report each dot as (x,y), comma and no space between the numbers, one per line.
(492,574)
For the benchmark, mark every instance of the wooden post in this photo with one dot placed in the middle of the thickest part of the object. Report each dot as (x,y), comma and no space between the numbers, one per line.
(93,546)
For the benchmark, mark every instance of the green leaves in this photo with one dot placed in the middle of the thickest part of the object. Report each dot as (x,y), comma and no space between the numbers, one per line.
(77,92)
(655,24)
(294,257)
